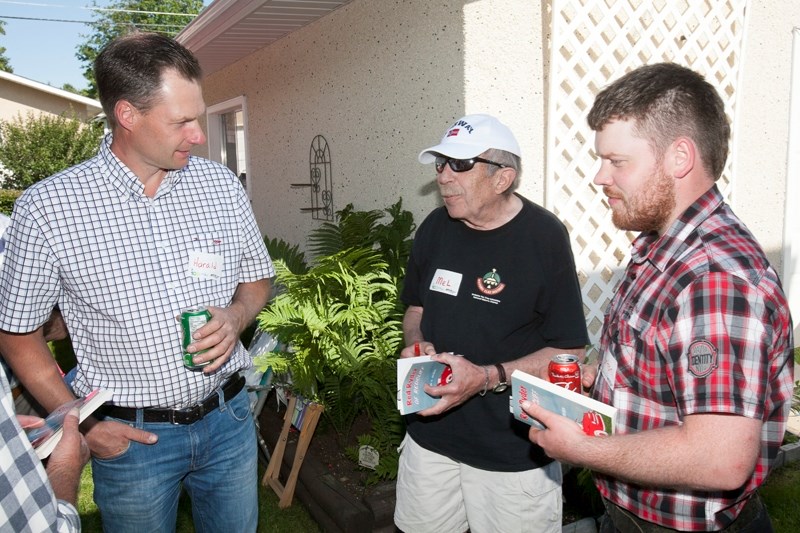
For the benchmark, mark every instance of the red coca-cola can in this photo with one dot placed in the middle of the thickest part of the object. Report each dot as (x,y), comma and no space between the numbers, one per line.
(565,371)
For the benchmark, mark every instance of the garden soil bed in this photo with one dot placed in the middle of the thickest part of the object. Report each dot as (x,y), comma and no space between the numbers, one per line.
(333,488)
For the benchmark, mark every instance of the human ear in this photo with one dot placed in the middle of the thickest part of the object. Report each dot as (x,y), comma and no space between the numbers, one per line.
(504,179)
(681,155)
(125,114)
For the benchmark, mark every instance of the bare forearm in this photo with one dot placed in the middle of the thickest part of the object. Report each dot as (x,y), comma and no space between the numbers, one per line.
(677,457)
(536,363)
(249,299)
(411,324)
(65,482)
(67,460)
(33,364)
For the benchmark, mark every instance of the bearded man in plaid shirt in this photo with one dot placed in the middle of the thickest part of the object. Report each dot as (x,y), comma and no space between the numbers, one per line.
(696,348)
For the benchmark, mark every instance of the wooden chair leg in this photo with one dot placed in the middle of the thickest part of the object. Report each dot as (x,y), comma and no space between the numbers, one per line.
(274,466)
(271,476)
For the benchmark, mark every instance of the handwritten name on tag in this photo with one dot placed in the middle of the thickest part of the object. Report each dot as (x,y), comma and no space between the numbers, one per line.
(446,281)
(204,265)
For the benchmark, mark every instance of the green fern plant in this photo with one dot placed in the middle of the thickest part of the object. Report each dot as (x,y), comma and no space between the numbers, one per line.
(591,496)
(342,320)
(355,229)
(342,323)
(291,255)
(365,229)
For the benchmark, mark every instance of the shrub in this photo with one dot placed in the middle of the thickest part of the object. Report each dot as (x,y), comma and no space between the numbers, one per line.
(38,146)
(7,199)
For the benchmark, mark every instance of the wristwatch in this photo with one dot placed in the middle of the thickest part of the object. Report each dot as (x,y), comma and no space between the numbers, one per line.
(502,384)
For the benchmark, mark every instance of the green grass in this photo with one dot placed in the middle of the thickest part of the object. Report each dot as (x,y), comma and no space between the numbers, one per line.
(781,493)
(271,518)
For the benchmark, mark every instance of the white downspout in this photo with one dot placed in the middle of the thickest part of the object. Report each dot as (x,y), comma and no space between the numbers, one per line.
(791,230)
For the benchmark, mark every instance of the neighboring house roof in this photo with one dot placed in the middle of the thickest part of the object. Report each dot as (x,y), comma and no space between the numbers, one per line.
(78,99)
(20,95)
(228,30)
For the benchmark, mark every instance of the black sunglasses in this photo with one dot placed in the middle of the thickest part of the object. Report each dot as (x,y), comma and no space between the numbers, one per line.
(462,165)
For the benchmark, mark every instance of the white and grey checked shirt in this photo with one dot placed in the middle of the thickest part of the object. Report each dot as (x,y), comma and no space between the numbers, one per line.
(27,502)
(118,264)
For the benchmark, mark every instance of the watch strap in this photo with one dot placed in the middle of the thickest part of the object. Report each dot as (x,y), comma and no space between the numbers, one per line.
(501,373)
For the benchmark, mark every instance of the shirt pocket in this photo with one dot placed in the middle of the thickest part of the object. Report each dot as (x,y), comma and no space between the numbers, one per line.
(639,387)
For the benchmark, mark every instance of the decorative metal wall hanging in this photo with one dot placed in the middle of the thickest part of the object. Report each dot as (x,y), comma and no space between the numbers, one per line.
(320,180)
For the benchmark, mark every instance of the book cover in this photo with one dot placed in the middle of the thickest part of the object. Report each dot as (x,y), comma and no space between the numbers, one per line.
(45,438)
(595,417)
(412,375)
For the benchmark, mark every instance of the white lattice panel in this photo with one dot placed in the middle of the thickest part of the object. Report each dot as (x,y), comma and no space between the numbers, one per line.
(593,42)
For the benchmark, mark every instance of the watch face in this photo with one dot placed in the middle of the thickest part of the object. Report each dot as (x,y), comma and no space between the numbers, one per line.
(500,387)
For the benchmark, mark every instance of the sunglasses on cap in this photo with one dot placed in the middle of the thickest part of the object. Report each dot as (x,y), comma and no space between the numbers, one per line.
(461,165)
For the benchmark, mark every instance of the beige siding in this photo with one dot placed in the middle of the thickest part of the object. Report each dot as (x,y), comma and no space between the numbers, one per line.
(382,80)
(17,99)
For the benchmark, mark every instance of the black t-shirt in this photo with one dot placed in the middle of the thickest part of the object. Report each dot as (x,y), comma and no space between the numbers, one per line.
(492,296)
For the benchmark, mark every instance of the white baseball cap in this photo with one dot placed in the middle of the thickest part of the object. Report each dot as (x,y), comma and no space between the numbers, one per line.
(470,136)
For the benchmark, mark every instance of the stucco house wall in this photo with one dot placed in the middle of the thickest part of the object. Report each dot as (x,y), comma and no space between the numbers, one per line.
(382,80)
(19,96)
(760,156)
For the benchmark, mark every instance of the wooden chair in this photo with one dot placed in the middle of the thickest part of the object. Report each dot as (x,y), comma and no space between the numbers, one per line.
(310,414)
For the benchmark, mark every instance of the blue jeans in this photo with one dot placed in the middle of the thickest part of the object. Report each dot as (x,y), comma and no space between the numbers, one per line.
(214,459)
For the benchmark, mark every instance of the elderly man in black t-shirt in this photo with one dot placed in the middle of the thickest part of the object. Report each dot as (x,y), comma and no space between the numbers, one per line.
(491,280)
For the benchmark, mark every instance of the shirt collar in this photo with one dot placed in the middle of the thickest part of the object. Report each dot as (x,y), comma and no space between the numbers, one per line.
(123,178)
(661,250)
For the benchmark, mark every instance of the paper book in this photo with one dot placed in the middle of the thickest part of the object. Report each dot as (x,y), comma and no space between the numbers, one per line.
(412,374)
(44,438)
(595,417)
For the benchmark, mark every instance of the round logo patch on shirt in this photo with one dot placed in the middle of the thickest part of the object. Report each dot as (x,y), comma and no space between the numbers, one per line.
(702,358)
(490,283)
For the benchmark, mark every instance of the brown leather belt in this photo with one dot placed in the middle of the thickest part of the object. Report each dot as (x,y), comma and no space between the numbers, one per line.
(189,415)
(625,521)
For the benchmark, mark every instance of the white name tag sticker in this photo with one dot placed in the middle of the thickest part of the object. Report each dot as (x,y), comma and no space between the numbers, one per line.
(608,370)
(203,265)
(446,281)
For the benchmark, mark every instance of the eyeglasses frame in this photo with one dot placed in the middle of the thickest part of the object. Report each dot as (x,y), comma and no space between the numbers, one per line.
(449,162)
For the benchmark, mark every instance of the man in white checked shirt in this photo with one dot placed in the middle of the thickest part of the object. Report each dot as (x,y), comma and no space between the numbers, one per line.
(121,243)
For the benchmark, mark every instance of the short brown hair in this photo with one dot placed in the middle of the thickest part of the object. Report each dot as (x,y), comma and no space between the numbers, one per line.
(130,68)
(667,101)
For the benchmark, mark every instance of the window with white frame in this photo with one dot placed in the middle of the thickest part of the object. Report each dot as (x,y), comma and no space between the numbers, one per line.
(227,137)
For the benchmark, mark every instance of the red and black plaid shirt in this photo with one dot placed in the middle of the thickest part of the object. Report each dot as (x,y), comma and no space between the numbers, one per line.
(698,324)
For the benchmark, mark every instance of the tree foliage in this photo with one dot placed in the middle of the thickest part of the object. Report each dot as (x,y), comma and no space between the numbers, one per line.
(5,66)
(123,16)
(37,146)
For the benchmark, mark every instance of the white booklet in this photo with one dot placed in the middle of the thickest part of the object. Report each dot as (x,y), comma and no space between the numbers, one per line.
(596,418)
(412,375)
(45,438)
